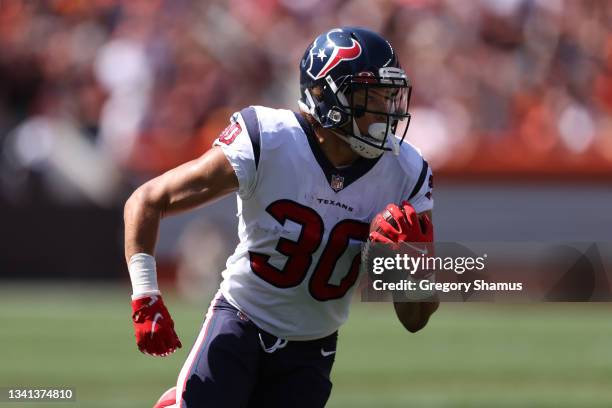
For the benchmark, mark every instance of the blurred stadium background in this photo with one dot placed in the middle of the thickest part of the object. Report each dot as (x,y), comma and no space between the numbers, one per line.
(512,106)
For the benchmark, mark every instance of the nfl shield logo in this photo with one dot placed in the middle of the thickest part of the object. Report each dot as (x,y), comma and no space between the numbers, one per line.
(337,182)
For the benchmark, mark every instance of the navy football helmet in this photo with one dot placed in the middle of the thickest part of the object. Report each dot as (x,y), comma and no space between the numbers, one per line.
(348,72)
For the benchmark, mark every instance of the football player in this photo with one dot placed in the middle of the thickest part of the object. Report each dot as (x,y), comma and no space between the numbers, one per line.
(308,185)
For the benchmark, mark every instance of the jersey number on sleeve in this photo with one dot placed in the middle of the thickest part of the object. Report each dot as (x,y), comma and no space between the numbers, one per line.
(299,253)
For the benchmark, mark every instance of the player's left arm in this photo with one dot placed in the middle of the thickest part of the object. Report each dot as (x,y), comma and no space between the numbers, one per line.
(415,315)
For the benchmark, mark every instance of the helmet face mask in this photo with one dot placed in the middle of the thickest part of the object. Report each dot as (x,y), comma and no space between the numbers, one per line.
(364,98)
(375,109)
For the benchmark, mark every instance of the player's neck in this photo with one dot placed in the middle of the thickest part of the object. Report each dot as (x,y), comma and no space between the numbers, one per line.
(337,151)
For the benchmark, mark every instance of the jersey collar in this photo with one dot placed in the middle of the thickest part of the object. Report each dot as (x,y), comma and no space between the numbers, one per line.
(338,178)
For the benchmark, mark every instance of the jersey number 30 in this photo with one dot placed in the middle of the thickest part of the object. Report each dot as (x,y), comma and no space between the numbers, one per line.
(299,253)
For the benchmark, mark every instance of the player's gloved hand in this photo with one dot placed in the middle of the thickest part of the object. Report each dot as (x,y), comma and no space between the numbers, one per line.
(153,326)
(401,224)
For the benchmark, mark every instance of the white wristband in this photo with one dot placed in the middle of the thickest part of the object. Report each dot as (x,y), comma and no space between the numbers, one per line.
(143,275)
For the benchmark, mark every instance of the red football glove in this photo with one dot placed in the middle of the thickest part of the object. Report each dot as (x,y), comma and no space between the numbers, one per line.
(153,327)
(402,224)
(397,224)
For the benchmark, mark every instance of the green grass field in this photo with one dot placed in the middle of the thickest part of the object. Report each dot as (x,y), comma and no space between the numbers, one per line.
(470,355)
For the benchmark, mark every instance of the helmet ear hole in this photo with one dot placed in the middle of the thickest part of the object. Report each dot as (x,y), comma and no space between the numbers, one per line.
(335,116)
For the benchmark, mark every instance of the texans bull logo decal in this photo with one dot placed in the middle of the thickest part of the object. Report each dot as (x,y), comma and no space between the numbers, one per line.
(321,63)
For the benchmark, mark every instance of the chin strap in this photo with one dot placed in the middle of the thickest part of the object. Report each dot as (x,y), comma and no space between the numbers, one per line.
(381,132)
(359,147)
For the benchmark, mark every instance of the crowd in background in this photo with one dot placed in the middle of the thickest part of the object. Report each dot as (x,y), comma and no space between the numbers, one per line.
(99,95)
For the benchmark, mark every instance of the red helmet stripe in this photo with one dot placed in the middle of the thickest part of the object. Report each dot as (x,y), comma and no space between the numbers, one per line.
(341,54)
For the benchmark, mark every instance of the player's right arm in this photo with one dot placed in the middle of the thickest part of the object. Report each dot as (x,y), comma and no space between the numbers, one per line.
(187,186)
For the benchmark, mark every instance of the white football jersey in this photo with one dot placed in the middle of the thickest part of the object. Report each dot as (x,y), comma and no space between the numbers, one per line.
(302,221)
